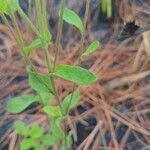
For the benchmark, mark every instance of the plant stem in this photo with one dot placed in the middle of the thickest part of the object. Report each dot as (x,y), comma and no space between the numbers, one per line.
(28,21)
(18,30)
(59,32)
(87,10)
(41,8)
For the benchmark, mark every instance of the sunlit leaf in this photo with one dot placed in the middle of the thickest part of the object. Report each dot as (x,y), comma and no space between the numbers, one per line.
(52,111)
(75,74)
(72,18)
(71,100)
(21,128)
(20,103)
(92,47)
(42,85)
(36,131)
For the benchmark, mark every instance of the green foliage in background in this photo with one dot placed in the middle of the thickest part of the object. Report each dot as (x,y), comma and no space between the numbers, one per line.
(106,7)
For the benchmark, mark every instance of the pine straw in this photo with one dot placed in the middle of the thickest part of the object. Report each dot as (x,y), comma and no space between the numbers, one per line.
(119,100)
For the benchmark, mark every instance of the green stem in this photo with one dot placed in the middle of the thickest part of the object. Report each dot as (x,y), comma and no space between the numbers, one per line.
(38,14)
(42,24)
(30,7)
(86,16)
(59,32)
(18,30)
(28,21)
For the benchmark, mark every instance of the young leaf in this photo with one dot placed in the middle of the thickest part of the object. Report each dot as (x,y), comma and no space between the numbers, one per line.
(21,128)
(92,47)
(20,103)
(72,18)
(75,74)
(35,44)
(36,131)
(42,85)
(52,111)
(28,143)
(70,101)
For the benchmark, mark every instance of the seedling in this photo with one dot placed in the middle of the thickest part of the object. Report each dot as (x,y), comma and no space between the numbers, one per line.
(43,85)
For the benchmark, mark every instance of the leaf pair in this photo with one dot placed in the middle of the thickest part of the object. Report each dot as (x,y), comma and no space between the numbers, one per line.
(34,132)
(32,135)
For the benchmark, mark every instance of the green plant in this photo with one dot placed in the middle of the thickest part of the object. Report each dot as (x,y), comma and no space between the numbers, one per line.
(43,85)
(106,7)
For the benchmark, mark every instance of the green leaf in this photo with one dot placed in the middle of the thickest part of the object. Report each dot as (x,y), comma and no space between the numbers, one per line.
(49,140)
(53,111)
(75,74)
(20,103)
(57,133)
(28,143)
(69,142)
(47,36)
(35,44)
(36,132)
(3,6)
(92,47)
(72,18)
(42,85)
(71,100)
(12,6)
(21,128)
